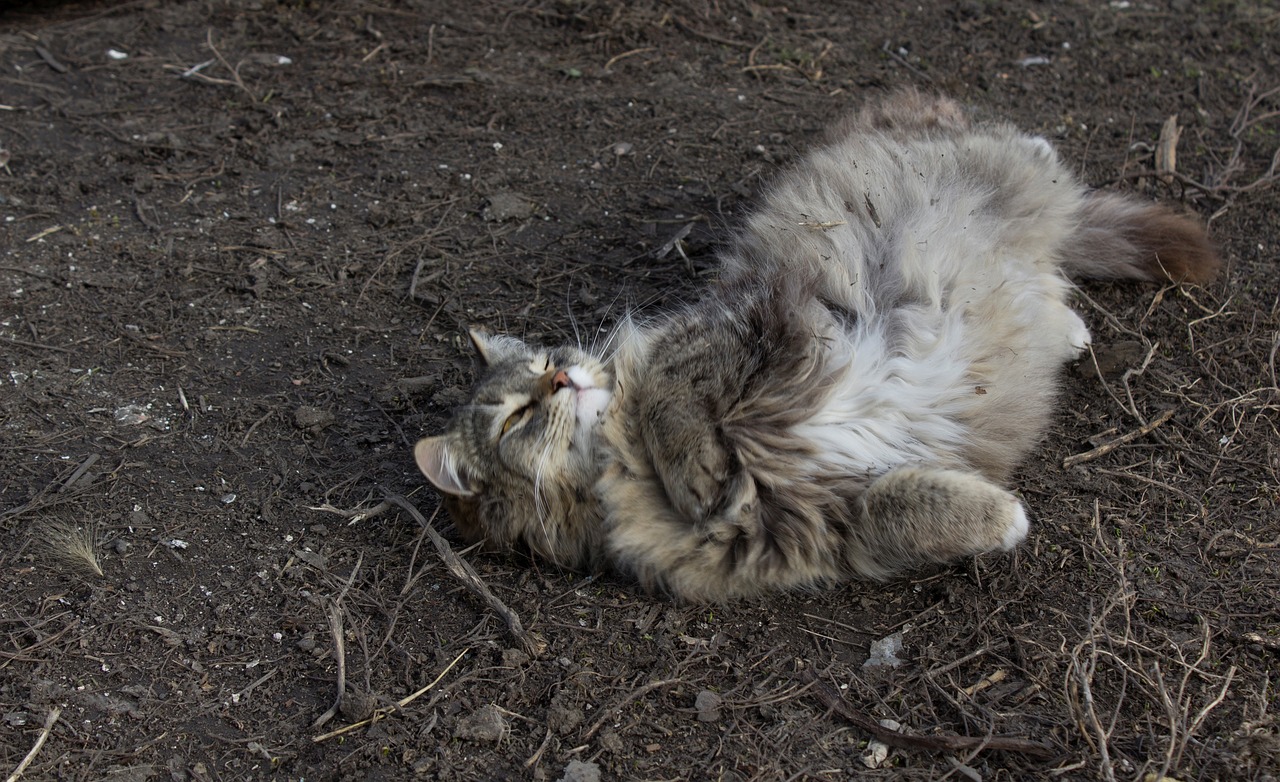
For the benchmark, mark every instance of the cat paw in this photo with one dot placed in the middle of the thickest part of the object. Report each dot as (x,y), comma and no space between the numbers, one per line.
(1018,528)
(1078,336)
(1043,147)
(695,485)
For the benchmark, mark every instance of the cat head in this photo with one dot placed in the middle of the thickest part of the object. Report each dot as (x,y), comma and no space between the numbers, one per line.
(517,462)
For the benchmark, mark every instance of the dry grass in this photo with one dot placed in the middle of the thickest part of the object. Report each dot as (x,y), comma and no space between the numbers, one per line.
(74,547)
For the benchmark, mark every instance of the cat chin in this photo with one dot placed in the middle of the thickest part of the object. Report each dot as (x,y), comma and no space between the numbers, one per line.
(591,406)
(590,400)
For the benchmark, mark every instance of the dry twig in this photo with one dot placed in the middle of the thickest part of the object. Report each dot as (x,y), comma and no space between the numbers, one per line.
(936,743)
(634,695)
(1111,445)
(532,643)
(35,750)
(400,704)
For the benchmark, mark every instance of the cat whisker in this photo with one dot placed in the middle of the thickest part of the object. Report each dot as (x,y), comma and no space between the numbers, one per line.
(539,500)
(610,334)
(573,321)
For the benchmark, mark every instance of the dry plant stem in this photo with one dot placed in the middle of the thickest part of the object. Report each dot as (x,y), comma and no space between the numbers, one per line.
(400,704)
(80,471)
(354,514)
(235,72)
(635,694)
(340,655)
(1167,149)
(1082,676)
(618,57)
(1111,445)
(35,750)
(939,743)
(532,643)
(1138,372)
(537,755)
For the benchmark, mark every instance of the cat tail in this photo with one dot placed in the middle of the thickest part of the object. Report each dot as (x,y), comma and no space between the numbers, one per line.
(1119,237)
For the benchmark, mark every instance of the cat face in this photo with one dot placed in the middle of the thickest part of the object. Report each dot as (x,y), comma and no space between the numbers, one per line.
(516,462)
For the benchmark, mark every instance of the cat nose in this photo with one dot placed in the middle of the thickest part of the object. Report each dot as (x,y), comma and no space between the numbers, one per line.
(555,380)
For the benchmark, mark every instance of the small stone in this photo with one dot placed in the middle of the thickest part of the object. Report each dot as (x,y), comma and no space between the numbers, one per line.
(612,742)
(564,716)
(120,546)
(708,705)
(884,652)
(1112,359)
(357,705)
(513,658)
(485,724)
(581,771)
(308,417)
(507,206)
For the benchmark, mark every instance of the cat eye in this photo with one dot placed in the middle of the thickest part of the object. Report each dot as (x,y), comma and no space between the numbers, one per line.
(515,417)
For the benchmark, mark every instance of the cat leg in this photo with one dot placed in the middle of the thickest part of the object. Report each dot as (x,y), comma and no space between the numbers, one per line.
(918,515)
(688,456)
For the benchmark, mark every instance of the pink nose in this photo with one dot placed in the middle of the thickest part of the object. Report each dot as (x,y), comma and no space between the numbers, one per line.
(560,380)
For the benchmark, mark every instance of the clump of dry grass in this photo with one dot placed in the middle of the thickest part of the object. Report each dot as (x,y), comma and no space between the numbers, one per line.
(74,546)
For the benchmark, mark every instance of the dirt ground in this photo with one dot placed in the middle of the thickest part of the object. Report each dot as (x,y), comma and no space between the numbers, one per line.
(241,242)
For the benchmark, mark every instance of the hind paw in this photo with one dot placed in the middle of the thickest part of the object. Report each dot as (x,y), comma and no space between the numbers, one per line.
(1078,336)
(1018,528)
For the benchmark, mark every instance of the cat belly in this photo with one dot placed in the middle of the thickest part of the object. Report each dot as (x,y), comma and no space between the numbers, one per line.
(968,385)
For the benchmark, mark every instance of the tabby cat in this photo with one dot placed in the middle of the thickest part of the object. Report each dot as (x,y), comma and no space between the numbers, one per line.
(880,349)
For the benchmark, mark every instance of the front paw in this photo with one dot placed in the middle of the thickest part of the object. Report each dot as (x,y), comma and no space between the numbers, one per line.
(694,480)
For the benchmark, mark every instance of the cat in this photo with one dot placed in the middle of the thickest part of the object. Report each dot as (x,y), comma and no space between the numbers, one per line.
(880,350)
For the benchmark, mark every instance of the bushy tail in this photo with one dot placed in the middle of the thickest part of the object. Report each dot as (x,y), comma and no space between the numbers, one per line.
(1123,238)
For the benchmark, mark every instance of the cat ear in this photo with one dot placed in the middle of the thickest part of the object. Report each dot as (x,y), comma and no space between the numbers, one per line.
(438,463)
(493,349)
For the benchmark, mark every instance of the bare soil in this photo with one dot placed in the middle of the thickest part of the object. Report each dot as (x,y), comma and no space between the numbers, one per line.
(241,242)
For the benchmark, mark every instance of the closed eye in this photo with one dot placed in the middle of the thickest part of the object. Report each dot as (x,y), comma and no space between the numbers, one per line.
(518,416)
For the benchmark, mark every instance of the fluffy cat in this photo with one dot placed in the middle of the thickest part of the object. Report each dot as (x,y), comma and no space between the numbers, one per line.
(880,350)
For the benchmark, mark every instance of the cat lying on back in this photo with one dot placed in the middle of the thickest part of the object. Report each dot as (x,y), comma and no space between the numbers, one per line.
(880,350)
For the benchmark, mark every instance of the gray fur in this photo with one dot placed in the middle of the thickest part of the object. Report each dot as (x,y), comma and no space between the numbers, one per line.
(881,349)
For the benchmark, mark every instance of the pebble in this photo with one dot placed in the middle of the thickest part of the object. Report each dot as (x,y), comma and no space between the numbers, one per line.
(708,705)
(485,724)
(581,771)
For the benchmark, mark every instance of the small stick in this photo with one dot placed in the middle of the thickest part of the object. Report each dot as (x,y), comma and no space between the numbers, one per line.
(987,681)
(334,614)
(1111,445)
(354,515)
(89,461)
(462,570)
(253,428)
(50,60)
(533,759)
(683,25)
(617,57)
(941,669)
(400,704)
(40,740)
(37,345)
(936,743)
(635,694)
(340,655)
(1167,150)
